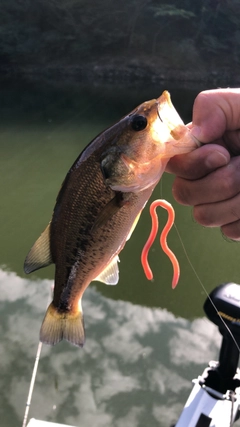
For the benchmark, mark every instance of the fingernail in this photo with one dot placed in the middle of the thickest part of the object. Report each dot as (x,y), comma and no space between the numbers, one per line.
(216,159)
(196,131)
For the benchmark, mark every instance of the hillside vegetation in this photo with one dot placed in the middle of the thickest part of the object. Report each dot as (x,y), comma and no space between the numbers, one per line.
(108,35)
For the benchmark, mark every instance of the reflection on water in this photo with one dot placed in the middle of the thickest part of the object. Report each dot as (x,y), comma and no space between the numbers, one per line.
(145,342)
(134,370)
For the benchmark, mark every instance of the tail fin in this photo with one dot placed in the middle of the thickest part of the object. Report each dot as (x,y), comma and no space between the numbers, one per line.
(58,326)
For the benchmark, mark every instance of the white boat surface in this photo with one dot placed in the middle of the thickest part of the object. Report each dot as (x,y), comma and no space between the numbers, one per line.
(38,423)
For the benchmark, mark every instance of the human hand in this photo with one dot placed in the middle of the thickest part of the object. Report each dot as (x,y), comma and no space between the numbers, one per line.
(209,177)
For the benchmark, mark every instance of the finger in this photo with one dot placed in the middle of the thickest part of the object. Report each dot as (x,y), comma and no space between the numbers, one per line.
(214,113)
(232,230)
(220,185)
(218,214)
(199,162)
(231,140)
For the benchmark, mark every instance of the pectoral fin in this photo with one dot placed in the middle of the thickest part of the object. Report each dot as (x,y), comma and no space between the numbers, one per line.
(110,275)
(110,209)
(40,254)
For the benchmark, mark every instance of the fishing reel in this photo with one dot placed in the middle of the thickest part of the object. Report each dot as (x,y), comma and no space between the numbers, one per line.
(215,397)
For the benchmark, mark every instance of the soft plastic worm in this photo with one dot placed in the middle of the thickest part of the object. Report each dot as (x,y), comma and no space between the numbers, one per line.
(163,240)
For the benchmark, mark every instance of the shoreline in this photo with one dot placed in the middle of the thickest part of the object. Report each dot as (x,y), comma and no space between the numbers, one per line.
(131,73)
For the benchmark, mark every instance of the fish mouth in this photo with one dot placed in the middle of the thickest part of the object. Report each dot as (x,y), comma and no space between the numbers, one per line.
(176,136)
(167,113)
(158,113)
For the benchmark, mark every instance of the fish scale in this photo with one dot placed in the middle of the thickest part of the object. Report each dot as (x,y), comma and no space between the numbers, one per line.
(98,207)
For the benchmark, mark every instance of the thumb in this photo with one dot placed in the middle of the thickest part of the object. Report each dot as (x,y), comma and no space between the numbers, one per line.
(214,113)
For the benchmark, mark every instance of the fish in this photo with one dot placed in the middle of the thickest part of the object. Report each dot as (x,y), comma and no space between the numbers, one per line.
(98,207)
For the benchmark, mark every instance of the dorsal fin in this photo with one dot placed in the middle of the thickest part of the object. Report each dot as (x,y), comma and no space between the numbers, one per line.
(40,254)
(110,274)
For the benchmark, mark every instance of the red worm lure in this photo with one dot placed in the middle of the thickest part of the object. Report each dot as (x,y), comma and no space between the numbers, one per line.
(163,240)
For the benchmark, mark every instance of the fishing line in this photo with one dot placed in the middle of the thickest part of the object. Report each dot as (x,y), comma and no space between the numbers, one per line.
(198,278)
(204,289)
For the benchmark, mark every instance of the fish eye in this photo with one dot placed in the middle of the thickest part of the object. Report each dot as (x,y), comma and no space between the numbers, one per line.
(139,122)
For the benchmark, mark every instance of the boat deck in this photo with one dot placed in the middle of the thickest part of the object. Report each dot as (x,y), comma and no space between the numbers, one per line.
(38,423)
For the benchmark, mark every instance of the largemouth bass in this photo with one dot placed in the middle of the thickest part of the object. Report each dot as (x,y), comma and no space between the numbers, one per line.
(98,206)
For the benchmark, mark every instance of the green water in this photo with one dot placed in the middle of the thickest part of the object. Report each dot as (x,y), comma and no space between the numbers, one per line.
(145,342)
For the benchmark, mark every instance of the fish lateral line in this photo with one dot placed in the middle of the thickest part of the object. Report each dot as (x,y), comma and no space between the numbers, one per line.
(163,240)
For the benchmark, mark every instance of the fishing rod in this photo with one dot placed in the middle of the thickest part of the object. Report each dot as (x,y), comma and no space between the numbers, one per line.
(32,383)
(215,398)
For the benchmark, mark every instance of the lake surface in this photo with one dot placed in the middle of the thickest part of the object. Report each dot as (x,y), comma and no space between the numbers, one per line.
(145,342)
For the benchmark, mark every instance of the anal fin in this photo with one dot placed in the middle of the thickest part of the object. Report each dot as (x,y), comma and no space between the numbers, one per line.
(110,275)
